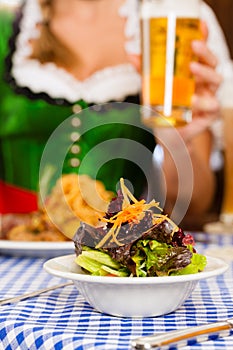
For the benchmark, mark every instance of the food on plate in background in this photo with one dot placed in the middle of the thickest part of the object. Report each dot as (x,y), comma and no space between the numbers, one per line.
(136,239)
(77,195)
(73,198)
(36,227)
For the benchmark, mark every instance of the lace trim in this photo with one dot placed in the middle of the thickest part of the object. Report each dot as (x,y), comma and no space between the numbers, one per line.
(111,83)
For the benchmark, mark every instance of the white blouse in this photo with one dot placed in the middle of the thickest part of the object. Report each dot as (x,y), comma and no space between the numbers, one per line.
(111,83)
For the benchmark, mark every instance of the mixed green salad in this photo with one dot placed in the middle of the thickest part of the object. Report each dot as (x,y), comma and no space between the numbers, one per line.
(135,239)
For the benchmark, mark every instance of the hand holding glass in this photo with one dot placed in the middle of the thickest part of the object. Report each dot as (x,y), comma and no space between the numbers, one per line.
(168,28)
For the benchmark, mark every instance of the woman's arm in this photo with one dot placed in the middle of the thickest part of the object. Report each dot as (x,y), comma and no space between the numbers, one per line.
(197,136)
(187,173)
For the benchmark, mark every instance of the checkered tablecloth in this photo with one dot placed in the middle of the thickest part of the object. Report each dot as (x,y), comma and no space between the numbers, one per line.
(61,319)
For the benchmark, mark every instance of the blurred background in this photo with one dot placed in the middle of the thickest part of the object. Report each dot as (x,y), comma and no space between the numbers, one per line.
(223,10)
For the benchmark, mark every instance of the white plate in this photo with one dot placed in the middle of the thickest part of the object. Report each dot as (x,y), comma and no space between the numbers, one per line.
(132,296)
(36,249)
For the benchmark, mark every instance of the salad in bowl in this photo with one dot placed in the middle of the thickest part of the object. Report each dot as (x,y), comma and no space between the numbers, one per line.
(136,239)
(136,263)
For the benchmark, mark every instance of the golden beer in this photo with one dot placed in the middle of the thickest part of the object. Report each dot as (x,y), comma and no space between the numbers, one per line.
(227,205)
(167,83)
(225,222)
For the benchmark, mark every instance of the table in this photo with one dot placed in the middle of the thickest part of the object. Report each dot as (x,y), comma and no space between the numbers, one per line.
(61,319)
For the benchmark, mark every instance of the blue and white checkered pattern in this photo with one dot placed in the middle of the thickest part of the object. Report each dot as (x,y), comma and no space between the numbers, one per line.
(61,319)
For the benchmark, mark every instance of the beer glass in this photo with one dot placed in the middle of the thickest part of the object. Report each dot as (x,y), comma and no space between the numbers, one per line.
(227,206)
(225,223)
(167,29)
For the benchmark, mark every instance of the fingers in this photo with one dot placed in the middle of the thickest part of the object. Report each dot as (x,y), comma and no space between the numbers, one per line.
(206,76)
(206,110)
(198,126)
(204,55)
(204,70)
(204,29)
(205,104)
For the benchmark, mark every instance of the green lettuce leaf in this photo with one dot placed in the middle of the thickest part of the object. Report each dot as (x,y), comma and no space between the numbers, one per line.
(99,263)
(153,258)
(198,263)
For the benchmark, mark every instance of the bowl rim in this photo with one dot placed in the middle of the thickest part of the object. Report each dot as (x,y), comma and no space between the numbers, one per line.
(215,266)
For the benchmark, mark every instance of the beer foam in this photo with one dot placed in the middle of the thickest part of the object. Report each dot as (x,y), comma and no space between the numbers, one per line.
(178,8)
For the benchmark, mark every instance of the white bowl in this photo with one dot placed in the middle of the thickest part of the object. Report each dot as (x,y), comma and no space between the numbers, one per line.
(132,296)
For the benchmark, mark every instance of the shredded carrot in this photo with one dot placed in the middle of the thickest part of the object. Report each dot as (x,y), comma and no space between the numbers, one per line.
(130,213)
